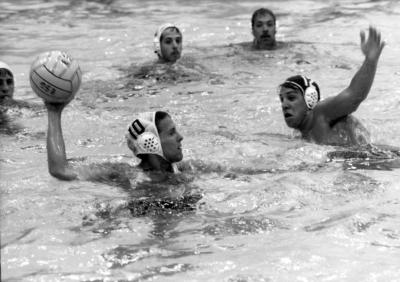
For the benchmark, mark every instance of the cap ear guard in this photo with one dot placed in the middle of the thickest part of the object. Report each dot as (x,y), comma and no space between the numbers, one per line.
(149,142)
(145,140)
(311,94)
(308,88)
(141,139)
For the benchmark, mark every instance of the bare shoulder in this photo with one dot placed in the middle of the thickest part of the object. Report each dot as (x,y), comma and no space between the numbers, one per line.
(319,112)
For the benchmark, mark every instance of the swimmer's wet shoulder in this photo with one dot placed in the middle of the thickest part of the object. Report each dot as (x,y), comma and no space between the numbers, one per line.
(346,131)
(328,121)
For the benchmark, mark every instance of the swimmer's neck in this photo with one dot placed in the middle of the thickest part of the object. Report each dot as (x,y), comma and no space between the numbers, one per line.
(161,60)
(155,163)
(259,46)
(306,124)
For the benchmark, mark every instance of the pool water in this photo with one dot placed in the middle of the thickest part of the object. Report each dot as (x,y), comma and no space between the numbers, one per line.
(272,208)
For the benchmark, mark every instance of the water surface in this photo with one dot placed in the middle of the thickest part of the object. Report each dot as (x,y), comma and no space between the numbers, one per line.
(277,209)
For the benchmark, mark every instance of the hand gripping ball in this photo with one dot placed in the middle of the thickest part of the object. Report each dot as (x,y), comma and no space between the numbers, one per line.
(55,77)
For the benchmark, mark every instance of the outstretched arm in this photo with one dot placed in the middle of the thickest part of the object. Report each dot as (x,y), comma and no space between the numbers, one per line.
(349,99)
(56,156)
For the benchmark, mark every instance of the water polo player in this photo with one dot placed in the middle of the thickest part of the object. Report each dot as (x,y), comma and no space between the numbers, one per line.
(6,81)
(263,26)
(168,43)
(151,136)
(329,121)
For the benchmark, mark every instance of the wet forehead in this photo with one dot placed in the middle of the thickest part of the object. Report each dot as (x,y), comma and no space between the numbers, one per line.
(171,33)
(264,18)
(287,90)
(5,74)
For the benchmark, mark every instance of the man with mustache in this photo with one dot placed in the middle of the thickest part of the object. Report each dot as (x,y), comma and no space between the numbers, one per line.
(263,25)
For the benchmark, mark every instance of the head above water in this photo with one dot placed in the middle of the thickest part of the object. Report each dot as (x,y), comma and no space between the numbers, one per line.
(6,81)
(168,43)
(154,133)
(298,95)
(263,25)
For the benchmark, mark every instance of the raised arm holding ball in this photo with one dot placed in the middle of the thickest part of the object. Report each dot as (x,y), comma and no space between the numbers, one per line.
(56,78)
(152,137)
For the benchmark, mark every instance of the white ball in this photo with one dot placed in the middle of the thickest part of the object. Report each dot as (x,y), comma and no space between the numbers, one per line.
(55,77)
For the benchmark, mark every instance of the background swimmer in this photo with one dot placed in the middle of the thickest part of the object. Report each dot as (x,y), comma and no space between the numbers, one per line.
(10,108)
(264,29)
(263,26)
(7,87)
(329,121)
(6,81)
(168,43)
(169,68)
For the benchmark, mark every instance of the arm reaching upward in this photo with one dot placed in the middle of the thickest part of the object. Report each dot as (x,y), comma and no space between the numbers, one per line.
(349,99)
(56,156)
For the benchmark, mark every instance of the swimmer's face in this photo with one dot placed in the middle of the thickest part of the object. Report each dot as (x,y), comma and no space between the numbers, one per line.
(171,45)
(6,84)
(294,107)
(170,140)
(264,30)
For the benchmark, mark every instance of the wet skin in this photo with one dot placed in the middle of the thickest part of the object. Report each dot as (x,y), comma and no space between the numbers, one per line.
(170,140)
(294,107)
(171,45)
(315,127)
(6,84)
(264,31)
(330,121)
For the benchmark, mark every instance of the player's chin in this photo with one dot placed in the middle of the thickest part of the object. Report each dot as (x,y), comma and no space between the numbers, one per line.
(174,157)
(291,122)
(175,56)
(178,156)
(6,95)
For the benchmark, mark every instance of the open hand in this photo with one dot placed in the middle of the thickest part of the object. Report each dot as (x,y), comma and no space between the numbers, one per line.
(372,47)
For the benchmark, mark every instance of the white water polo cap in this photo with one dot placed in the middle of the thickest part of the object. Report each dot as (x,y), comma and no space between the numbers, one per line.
(5,66)
(142,136)
(157,36)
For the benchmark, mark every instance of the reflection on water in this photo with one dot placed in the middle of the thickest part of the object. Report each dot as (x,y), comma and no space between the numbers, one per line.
(254,202)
